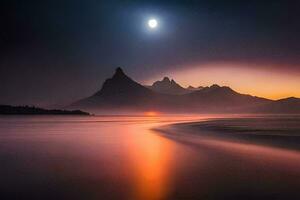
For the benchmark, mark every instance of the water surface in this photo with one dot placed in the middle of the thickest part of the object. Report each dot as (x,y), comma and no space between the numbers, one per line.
(110,157)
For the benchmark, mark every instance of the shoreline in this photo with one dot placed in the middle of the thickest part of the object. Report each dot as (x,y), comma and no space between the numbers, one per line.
(276,132)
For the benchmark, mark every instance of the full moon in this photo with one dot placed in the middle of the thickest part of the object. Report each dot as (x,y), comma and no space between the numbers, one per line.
(152,23)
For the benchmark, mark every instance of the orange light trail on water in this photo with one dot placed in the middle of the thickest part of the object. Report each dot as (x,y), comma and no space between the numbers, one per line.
(151,159)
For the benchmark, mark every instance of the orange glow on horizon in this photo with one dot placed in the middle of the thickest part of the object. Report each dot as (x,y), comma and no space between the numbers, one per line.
(243,78)
(151,113)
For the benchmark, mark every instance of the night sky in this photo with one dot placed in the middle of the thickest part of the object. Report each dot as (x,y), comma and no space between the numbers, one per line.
(56,51)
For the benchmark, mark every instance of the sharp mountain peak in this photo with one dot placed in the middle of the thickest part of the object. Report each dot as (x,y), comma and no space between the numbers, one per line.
(119,73)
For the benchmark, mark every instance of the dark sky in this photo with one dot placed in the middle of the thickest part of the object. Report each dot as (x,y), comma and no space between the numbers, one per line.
(57,51)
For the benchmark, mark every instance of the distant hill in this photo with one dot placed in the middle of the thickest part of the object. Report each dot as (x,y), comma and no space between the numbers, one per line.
(194,88)
(167,86)
(29,110)
(223,99)
(121,93)
(288,105)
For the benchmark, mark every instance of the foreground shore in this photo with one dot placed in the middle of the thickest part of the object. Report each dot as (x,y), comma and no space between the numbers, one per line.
(251,158)
(274,131)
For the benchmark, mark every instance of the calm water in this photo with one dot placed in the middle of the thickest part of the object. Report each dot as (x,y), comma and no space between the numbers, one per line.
(52,157)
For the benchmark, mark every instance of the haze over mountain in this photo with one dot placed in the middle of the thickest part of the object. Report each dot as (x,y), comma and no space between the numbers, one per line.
(167,86)
(194,88)
(120,93)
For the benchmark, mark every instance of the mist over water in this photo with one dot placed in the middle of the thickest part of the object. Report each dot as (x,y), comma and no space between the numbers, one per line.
(122,157)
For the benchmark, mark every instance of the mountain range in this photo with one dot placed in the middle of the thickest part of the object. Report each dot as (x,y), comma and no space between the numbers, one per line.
(167,86)
(120,93)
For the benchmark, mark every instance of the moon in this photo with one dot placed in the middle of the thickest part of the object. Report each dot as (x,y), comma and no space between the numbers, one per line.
(152,23)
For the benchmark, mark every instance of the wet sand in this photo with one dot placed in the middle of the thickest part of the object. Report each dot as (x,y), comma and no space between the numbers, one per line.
(282,131)
(250,158)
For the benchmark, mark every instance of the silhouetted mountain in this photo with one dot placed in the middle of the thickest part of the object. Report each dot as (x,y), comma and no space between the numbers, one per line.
(167,86)
(287,105)
(191,88)
(120,84)
(30,110)
(194,88)
(223,99)
(121,93)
